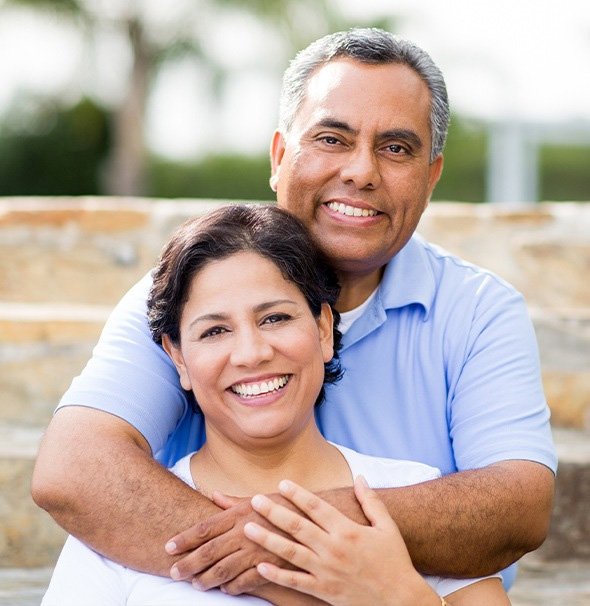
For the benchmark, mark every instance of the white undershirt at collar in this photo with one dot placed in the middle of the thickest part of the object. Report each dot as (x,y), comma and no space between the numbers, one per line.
(348,317)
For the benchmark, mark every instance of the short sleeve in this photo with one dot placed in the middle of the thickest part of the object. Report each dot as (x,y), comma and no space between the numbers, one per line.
(129,375)
(497,408)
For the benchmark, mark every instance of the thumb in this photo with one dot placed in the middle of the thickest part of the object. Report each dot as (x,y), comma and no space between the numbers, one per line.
(373,507)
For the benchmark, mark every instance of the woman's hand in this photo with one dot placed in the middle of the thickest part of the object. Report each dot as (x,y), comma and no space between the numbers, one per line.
(339,561)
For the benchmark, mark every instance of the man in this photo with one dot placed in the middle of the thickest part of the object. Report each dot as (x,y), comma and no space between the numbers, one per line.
(440,356)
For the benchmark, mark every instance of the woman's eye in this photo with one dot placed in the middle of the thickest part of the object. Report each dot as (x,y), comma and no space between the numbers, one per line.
(213,332)
(276,318)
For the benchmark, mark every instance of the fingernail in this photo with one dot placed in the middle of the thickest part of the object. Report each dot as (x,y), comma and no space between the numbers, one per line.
(170,547)
(197,585)
(262,568)
(174,574)
(250,529)
(285,486)
(257,501)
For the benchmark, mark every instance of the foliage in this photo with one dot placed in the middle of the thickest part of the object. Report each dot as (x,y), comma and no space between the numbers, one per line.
(62,155)
(229,177)
(564,173)
(463,178)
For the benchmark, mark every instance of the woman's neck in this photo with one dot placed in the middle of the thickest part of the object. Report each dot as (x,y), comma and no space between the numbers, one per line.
(248,468)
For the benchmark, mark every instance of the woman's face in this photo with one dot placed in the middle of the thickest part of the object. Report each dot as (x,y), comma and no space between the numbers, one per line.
(251,350)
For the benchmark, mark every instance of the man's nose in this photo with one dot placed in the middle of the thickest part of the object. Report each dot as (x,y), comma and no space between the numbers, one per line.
(251,349)
(361,168)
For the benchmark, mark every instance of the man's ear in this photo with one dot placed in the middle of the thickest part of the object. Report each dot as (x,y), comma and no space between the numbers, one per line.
(435,172)
(277,151)
(326,329)
(176,356)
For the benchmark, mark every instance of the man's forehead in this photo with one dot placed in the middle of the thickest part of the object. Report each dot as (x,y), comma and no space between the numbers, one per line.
(346,89)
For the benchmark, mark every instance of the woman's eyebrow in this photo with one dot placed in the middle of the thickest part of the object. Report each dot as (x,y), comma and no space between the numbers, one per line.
(222,317)
(213,317)
(268,304)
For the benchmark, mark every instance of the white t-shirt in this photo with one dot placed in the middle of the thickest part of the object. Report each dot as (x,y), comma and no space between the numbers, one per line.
(84,578)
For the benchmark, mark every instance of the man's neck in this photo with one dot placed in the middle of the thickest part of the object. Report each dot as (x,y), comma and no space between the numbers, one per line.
(355,289)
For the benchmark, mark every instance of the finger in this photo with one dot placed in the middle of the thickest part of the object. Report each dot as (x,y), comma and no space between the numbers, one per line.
(223,572)
(285,548)
(206,556)
(373,507)
(292,579)
(291,522)
(200,533)
(322,513)
(224,501)
(247,582)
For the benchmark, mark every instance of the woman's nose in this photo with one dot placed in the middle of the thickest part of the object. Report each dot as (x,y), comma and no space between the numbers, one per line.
(251,348)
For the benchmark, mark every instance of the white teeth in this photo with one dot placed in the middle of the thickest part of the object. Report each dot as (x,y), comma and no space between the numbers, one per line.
(351,211)
(255,389)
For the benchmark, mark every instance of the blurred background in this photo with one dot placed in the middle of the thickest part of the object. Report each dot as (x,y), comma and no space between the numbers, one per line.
(179,98)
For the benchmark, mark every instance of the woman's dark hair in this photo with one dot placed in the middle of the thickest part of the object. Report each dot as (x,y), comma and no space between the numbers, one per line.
(266,230)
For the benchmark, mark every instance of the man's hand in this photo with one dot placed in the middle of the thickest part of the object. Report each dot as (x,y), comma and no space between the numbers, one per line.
(218,553)
(95,475)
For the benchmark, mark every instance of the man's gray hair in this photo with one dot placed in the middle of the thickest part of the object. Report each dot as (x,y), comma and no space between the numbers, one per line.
(367,45)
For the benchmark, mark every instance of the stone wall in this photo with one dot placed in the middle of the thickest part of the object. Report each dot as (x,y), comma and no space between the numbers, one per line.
(65,262)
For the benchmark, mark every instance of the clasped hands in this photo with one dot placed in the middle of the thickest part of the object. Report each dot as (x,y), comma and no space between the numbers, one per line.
(299,541)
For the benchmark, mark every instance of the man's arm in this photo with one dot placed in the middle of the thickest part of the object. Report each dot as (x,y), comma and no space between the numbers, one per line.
(96,477)
(469,523)
(465,524)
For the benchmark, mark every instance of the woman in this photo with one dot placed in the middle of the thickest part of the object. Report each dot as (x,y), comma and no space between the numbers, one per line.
(241,301)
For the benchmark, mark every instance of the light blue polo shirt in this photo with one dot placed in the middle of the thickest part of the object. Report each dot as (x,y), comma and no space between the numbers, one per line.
(441,368)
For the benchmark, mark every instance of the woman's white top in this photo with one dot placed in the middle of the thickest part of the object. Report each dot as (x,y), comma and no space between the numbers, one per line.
(84,578)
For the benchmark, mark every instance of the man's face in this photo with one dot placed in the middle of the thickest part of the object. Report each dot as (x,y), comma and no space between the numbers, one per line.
(355,167)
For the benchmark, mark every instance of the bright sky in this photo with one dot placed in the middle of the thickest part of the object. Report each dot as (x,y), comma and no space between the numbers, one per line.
(527,59)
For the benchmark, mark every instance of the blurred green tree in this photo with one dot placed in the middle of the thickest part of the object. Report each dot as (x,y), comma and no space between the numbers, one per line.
(153,42)
(61,153)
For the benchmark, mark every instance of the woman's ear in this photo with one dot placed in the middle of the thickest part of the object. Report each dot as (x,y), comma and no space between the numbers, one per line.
(326,328)
(176,356)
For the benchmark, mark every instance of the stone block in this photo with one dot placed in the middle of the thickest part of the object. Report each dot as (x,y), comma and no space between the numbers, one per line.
(42,348)
(564,344)
(569,535)
(543,250)
(28,535)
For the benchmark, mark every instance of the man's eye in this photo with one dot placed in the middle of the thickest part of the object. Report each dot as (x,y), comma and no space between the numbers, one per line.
(330,140)
(213,332)
(396,149)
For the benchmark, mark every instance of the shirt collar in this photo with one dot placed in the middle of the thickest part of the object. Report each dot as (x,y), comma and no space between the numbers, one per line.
(408,278)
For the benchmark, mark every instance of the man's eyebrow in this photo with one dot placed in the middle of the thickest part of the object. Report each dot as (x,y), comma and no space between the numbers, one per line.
(336,124)
(402,134)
